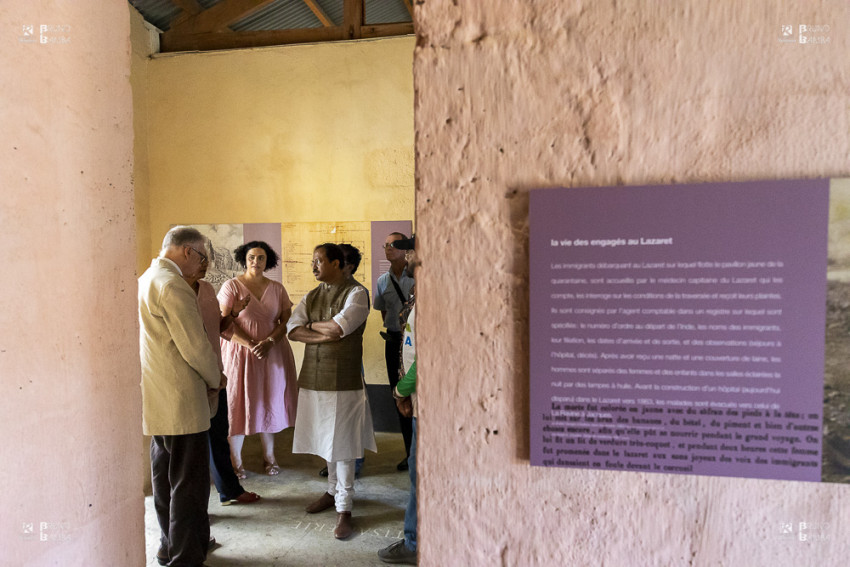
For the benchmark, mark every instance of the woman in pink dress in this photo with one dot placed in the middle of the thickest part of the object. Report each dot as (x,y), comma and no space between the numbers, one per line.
(261,380)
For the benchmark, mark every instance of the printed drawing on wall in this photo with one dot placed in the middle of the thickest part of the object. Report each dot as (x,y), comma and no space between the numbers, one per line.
(222,239)
(294,243)
(299,240)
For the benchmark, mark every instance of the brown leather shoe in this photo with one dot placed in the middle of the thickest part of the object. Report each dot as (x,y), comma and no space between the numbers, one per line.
(324,502)
(343,527)
(244,498)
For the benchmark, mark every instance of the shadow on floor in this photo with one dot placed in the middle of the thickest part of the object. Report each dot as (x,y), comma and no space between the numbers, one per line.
(276,531)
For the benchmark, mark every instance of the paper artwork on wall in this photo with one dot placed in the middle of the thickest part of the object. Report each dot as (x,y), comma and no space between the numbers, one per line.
(223,239)
(299,240)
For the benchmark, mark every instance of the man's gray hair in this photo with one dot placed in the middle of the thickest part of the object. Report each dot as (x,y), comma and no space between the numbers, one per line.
(182,235)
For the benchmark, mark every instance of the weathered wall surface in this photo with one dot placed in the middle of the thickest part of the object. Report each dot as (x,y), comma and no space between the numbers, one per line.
(516,95)
(71,405)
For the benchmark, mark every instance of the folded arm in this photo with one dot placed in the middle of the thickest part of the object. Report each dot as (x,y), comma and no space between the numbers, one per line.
(354,312)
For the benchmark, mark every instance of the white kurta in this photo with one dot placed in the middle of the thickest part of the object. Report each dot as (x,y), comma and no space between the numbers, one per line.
(336,426)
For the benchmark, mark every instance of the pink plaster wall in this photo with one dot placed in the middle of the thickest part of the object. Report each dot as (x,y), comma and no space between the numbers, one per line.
(515,95)
(70,409)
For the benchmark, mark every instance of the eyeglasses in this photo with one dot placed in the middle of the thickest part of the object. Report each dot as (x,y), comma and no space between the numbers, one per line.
(204,259)
(389,246)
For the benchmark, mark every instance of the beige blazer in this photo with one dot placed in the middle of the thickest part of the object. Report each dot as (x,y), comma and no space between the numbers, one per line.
(178,363)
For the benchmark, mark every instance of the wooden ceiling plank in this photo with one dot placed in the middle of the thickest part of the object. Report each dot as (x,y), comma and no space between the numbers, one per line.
(386,30)
(353,18)
(409,7)
(219,16)
(190,7)
(211,41)
(179,39)
(319,13)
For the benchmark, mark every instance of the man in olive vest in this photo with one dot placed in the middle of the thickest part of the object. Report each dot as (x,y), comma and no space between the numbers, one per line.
(332,420)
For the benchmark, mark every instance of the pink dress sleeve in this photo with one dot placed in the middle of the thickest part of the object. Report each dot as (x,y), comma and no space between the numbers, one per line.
(226,295)
(285,302)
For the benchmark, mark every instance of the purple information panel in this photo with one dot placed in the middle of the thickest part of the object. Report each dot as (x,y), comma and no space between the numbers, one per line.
(679,329)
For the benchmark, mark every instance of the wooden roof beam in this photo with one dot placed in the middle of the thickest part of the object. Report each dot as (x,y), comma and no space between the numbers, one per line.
(353,18)
(211,41)
(386,30)
(218,17)
(319,13)
(190,7)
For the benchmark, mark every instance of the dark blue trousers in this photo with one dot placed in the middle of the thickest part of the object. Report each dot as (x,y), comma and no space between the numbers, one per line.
(225,480)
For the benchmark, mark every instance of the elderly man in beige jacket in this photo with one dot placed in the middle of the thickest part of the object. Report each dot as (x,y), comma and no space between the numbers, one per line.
(178,369)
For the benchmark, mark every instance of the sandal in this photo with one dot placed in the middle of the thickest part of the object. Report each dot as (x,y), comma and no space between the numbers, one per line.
(272,469)
(240,472)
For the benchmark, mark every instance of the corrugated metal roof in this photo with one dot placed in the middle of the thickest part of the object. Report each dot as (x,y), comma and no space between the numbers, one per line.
(279,15)
(386,12)
(157,12)
(334,9)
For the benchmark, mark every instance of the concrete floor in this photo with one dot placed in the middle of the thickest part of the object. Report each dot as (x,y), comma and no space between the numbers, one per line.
(276,531)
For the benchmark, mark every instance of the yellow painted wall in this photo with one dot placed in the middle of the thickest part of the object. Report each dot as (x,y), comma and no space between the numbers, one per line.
(141,48)
(301,133)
